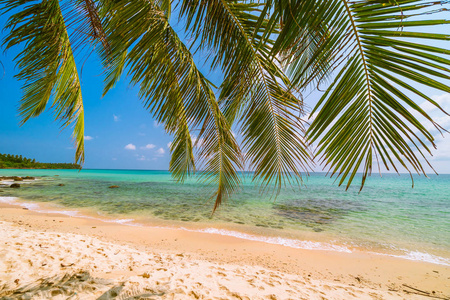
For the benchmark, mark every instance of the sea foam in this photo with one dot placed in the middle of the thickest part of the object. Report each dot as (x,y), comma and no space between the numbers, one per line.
(308,245)
(71,213)
(419,256)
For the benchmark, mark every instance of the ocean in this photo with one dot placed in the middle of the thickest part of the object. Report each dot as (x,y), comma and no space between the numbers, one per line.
(387,217)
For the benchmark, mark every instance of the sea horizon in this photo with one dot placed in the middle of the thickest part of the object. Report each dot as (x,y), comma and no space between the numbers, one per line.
(312,172)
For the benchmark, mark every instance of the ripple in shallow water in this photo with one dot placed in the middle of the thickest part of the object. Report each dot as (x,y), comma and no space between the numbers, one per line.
(312,213)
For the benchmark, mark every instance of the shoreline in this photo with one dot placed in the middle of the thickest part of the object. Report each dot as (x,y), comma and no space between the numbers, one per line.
(308,241)
(383,275)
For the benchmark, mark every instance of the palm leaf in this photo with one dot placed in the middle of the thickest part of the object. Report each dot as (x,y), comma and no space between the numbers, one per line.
(302,40)
(366,114)
(82,18)
(255,92)
(47,65)
(144,44)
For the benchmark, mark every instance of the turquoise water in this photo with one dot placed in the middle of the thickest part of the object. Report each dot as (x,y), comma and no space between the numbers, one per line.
(388,216)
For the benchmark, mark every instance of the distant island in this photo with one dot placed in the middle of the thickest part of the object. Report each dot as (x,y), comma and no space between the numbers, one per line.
(8,161)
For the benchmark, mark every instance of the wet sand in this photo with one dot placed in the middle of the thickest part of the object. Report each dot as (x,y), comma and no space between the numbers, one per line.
(55,256)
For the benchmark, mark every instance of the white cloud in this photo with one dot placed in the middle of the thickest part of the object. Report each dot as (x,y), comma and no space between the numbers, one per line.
(88,138)
(441,156)
(114,158)
(310,117)
(130,147)
(435,113)
(142,157)
(116,118)
(148,146)
(443,101)
(156,124)
(443,121)
(443,148)
(194,140)
(160,151)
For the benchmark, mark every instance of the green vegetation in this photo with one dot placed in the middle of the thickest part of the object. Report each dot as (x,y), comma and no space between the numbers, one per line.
(373,59)
(8,161)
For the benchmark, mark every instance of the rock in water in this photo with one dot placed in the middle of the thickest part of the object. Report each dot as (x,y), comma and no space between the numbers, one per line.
(15,186)
(29,178)
(61,184)
(18,179)
(113,186)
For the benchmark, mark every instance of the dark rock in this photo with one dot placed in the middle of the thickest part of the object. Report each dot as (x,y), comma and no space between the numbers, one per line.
(29,178)
(61,184)
(1,191)
(113,186)
(18,179)
(56,175)
(15,186)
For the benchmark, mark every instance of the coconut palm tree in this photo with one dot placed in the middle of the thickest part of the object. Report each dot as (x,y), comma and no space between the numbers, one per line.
(372,56)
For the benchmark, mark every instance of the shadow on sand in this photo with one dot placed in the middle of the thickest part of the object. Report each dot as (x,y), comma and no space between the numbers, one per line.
(80,285)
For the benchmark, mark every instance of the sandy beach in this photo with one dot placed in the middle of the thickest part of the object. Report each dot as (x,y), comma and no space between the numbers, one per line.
(279,150)
(54,256)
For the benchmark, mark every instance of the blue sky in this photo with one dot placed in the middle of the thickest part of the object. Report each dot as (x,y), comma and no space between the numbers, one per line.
(120,133)
(111,123)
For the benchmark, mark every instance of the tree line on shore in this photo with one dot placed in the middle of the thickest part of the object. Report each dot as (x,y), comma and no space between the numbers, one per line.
(9,161)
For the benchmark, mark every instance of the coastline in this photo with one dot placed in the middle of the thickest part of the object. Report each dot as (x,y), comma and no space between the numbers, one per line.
(301,273)
(298,240)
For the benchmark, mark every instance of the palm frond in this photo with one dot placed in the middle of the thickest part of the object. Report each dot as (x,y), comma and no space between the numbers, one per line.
(255,91)
(366,114)
(144,44)
(83,20)
(47,65)
(302,40)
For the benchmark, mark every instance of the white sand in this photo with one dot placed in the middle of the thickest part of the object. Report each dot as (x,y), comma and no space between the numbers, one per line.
(51,265)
